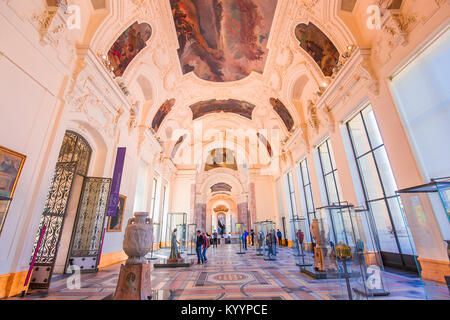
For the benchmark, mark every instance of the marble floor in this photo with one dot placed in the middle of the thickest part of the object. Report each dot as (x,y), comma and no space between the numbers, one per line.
(228,275)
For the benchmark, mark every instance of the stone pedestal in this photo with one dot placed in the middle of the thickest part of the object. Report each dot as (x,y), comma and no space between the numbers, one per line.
(134,283)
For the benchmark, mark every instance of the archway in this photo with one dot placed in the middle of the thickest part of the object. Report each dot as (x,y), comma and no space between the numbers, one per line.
(73,214)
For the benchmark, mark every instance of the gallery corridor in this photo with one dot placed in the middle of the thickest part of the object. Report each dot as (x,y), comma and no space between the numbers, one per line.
(228,276)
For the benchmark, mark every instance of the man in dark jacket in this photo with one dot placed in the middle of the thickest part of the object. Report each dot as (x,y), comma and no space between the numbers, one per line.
(198,246)
(280,238)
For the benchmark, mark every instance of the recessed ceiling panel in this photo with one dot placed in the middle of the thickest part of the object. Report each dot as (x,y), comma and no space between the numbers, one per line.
(162,112)
(318,46)
(128,45)
(241,108)
(283,112)
(223,40)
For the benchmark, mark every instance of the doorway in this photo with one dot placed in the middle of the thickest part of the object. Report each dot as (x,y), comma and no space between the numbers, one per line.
(73,214)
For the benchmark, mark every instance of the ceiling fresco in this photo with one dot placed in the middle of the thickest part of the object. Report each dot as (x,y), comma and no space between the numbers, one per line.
(163,111)
(221,186)
(265,143)
(318,46)
(223,40)
(128,45)
(283,112)
(178,145)
(221,158)
(241,108)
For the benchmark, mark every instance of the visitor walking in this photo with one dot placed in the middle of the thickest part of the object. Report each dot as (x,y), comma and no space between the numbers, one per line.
(205,247)
(215,239)
(252,235)
(274,239)
(280,238)
(269,245)
(198,247)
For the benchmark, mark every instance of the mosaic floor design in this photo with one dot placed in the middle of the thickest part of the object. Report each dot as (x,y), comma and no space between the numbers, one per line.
(228,275)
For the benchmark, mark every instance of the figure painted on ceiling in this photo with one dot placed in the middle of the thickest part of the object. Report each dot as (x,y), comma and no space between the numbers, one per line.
(128,45)
(318,46)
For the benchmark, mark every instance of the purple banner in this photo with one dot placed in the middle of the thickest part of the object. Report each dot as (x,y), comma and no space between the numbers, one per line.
(115,185)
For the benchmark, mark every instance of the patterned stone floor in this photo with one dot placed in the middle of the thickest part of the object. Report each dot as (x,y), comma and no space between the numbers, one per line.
(228,275)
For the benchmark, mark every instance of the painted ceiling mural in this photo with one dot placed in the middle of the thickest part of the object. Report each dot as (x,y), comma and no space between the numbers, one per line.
(241,108)
(265,143)
(128,45)
(283,112)
(223,40)
(178,145)
(221,186)
(163,111)
(221,158)
(318,46)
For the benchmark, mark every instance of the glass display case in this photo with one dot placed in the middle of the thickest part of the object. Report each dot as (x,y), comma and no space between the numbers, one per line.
(156,240)
(191,238)
(239,227)
(259,237)
(268,230)
(181,236)
(426,209)
(175,220)
(347,250)
(300,230)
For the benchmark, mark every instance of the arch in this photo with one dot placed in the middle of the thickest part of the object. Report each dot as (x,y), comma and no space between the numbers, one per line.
(146,87)
(299,86)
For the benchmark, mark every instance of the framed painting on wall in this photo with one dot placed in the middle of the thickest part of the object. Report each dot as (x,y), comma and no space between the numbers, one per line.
(11,164)
(115,222)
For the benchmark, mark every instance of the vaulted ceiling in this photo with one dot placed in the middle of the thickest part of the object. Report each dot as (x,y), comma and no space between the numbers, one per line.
(228,64)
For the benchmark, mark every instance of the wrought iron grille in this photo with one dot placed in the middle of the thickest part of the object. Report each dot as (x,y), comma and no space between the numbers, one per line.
(54,212)
(73,158)
(90,217)
(75,149)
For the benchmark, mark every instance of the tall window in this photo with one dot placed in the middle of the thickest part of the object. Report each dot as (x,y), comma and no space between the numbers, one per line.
(329,173)
(154,190)
(378,182)
(291,195)
(307,191)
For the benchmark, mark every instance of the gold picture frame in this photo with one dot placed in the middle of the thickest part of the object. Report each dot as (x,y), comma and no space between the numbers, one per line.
(11,164)
(115,223)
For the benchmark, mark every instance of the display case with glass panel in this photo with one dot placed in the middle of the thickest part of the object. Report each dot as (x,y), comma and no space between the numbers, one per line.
(268,230)
(427,209)
(175,220)
(239,227)
(191,238)
(155,240)
(349,253)
(338,252)
(181,236)
(259,239)
(303,258)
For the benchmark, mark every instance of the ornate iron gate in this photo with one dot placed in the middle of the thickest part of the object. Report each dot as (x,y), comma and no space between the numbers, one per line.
(88,228)
(73,158)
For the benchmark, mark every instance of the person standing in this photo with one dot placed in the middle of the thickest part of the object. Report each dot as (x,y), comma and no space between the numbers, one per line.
(269,245)
(252,235)
(205,247)
(198,247)
(280,238)
(274,240)
(244,239)
(215,239)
